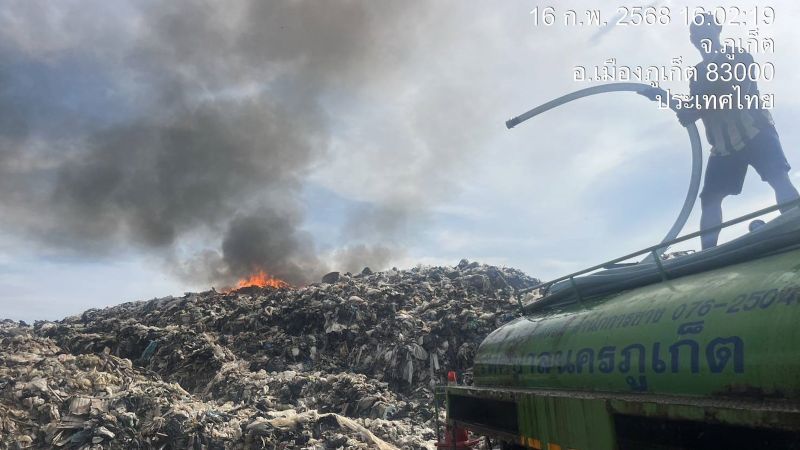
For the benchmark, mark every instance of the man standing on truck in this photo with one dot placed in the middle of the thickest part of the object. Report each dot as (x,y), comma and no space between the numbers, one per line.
(741,133)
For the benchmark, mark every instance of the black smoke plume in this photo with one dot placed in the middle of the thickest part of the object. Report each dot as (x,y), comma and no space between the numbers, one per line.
(184,128)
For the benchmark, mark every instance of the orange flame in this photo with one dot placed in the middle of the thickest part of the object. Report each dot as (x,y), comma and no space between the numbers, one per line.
(261,279)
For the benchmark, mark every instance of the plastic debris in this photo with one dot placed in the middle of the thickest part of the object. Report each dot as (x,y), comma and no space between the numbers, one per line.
(347,363)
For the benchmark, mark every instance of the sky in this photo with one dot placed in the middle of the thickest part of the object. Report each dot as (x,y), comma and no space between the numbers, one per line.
(149,149)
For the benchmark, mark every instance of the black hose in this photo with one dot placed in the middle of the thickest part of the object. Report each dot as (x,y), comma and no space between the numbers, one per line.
(694,140)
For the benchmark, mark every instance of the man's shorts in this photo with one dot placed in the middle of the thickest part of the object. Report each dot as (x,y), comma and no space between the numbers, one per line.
(725,174)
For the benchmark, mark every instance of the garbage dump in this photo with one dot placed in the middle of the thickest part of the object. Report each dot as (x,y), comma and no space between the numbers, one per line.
(345,363)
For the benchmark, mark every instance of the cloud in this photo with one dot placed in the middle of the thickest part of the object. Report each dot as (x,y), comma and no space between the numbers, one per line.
(153,123)
(191,130)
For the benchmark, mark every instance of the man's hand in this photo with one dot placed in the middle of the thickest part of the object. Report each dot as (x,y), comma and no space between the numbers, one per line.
(687,116)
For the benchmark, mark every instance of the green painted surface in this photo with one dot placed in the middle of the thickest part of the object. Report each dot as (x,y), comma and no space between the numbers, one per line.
(731,332)
(567,422)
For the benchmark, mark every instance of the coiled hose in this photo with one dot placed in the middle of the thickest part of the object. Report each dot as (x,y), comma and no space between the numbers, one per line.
(779,235)
(640,88)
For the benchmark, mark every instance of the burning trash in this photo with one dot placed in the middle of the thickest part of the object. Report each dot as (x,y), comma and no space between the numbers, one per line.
(261,279)
(344,364)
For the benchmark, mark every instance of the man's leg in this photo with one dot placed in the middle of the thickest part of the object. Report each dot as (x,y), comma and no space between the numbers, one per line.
(784,189)
(711,216)
(724,176)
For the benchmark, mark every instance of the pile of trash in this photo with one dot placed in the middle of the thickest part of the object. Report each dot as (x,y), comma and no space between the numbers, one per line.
(346,363)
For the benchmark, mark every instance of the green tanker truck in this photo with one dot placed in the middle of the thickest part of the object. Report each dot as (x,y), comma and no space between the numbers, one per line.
(701,351)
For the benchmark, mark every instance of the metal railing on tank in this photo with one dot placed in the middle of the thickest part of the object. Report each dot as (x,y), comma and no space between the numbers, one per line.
(652,250)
